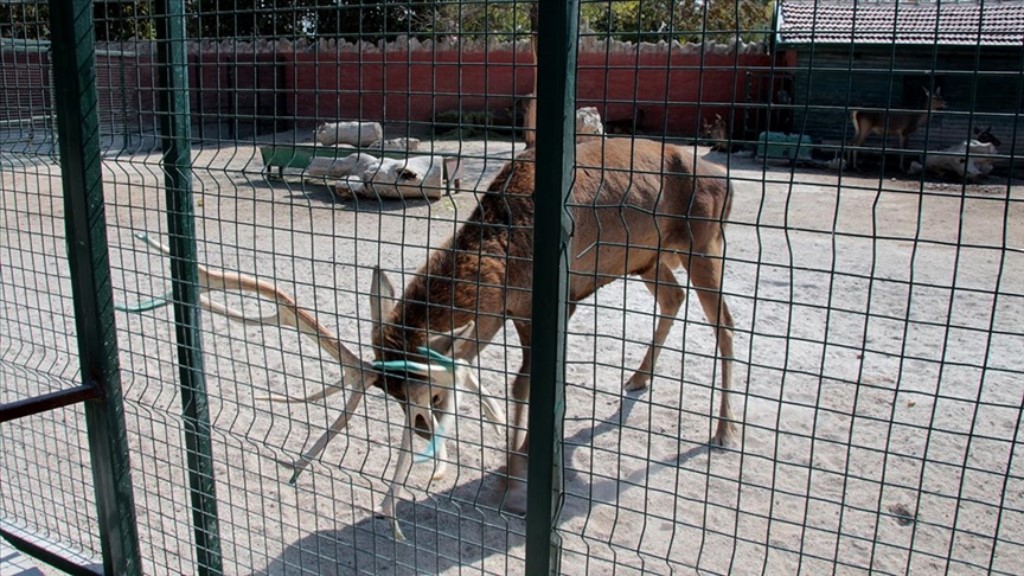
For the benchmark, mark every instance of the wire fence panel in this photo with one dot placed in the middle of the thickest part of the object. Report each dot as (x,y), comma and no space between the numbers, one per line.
(45,481)
(737,223)
(68,502)
(270,202)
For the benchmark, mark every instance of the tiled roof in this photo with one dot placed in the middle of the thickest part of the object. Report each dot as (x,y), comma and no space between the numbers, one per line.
(949,22)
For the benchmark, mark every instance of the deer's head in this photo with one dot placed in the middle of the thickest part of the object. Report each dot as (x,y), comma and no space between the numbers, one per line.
(416,368)
(935,99)
(986,136)
(425,382)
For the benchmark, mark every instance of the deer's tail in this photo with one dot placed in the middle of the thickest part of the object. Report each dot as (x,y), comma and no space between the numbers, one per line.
(855,118)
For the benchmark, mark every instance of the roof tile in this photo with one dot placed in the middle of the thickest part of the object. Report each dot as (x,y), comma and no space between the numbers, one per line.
(988,23)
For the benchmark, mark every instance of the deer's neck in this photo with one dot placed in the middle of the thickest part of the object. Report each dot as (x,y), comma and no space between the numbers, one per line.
(459,284)
(467,279)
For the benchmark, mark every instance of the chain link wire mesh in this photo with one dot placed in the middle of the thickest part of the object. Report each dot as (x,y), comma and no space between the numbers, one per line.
(876,370)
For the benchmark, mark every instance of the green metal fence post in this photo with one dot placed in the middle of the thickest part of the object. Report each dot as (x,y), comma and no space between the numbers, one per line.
(556,96)
(175,135)
(81,174)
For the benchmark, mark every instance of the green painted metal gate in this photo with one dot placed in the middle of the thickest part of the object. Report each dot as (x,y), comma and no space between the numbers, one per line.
(191,149)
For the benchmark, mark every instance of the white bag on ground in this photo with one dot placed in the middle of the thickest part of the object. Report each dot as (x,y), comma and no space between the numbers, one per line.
(353,164)
(588,121)
(401,144)
(415,177)
(354,133)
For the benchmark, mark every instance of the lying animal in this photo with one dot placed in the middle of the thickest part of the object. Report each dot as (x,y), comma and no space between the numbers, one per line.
(968,160)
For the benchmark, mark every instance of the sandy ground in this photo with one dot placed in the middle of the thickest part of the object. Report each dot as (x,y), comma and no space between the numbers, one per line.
(879,377)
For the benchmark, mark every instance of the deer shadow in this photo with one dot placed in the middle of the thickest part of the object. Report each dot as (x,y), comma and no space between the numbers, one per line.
(462,522)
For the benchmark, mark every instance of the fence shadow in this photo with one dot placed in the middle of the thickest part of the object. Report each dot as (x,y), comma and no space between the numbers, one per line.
(461,523)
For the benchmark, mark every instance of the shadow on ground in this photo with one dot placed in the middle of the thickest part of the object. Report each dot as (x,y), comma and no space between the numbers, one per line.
(452,528)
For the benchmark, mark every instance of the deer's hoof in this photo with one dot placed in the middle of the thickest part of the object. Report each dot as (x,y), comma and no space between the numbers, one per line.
(722,435)
(638,381)
(515,499)
(440,470)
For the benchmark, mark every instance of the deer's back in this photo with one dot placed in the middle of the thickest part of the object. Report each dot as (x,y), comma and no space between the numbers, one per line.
(884,124)
(633,201)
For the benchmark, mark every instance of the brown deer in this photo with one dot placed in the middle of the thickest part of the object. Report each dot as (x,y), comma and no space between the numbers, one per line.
(639,207)
(888,124)
(718,133)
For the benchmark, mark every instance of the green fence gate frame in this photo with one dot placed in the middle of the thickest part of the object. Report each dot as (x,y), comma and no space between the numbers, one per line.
(556,126)
(78,127)
(175,137)
(77,117)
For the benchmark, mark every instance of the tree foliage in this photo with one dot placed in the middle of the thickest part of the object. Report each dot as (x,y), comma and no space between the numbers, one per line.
(366,19)
(25,21)
(112,20)
(681,20)
(634,20)
(502,21)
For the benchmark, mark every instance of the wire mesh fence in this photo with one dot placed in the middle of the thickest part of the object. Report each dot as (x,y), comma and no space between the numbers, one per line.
(866,318)
(45,479)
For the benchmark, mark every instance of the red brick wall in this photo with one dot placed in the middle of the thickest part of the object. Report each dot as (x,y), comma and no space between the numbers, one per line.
(405,86)
(24,85)
(674,91)
(311,87)
(324,87)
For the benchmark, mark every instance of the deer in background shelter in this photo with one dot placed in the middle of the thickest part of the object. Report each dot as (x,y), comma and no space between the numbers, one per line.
(887,124)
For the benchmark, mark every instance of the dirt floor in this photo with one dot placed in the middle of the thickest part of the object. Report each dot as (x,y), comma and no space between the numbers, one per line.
(878,376)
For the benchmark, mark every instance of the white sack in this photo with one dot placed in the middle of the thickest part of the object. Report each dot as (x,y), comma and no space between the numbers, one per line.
(354,133)
(588,121)
(415,177)
(402,144)
(353,164)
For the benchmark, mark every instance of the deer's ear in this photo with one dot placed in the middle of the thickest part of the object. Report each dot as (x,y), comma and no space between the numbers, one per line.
(381,297)
(460,338)
(926,92)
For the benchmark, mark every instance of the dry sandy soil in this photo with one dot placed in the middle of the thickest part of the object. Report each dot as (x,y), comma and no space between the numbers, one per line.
(879,378)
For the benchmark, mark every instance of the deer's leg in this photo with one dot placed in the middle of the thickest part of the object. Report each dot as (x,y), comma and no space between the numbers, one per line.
(706,275)
(486,328)
(662,283)
(518,436)
(851,154)
(859,136)
(903,148)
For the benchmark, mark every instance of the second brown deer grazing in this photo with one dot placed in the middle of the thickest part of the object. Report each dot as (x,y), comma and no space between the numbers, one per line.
(640,208)
(888,124)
